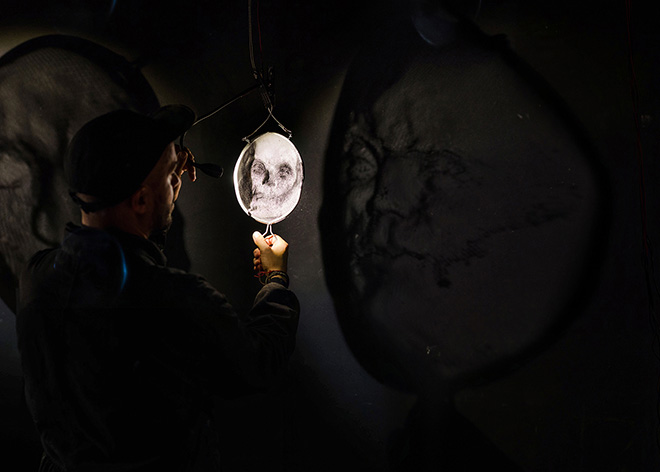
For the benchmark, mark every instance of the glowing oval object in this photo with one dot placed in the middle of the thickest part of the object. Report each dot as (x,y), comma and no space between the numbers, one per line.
(268,178)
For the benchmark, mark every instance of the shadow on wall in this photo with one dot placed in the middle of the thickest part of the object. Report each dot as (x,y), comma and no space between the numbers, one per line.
(462,216)
(49,87)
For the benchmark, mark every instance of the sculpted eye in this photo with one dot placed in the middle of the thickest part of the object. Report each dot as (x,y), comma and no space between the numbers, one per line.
(258,168)
(285,171)
(364,166)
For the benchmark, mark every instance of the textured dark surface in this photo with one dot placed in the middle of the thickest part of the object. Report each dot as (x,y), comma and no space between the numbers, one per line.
(49,87)
(462,210)
(587,401)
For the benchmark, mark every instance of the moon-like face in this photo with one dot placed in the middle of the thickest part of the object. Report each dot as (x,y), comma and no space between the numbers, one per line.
(272,181)
(268,178)
(457,213)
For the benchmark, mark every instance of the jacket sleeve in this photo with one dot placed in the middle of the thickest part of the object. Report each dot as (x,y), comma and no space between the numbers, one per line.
(199,337)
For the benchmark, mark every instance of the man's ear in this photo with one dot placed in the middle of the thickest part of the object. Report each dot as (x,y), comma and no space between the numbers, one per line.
(141,200)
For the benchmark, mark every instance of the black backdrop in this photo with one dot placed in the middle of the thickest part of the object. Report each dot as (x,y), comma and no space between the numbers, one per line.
(587,402)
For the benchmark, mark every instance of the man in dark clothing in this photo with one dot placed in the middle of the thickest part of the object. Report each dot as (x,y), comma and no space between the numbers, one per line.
(121,355)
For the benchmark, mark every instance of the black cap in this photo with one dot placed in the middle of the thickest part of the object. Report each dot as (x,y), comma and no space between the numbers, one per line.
(111,155)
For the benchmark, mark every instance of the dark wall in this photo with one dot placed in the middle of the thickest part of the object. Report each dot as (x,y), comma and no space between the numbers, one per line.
(585,401)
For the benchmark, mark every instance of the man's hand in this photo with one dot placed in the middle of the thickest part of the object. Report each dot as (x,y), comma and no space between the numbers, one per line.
(186,159)
(271,253)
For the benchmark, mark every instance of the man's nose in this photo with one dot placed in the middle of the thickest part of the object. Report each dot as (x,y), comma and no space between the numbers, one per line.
(266,180)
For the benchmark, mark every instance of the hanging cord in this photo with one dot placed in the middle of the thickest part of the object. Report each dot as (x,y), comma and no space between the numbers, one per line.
(247,139)
(257,74)
(268,235)
(647,250)
(229,102)
(269,106)
(265,80)
(269,231)
(476,13)
(212,169)
(263,83)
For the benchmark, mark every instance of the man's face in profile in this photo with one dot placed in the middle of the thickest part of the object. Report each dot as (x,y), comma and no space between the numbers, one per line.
(165,182)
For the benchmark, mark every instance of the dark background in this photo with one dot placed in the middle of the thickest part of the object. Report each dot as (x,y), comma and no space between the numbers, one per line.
(588,402)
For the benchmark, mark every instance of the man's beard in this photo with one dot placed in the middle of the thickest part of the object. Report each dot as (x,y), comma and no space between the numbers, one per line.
(161,225)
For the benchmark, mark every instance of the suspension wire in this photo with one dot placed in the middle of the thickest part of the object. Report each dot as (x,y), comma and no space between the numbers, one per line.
(257,75)
(263,83)
(229,102)
(269,231)
(226,104)
(267,96)
(476,13)
(248,139)
(250,41)
(647,251)
(261,49)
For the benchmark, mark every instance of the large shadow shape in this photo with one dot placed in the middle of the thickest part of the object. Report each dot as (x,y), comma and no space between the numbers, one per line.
(463,216)
(49,87)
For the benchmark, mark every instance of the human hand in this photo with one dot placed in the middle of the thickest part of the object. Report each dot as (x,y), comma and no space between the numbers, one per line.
(271,253)
(186,159)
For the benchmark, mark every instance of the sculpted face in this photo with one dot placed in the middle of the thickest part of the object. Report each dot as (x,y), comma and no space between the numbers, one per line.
(456,219)
(272,181)
(269,178)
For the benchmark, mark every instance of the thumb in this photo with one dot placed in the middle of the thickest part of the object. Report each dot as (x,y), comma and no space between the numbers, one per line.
(259,240)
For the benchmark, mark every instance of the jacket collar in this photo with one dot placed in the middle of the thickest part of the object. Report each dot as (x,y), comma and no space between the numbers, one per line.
(132,244)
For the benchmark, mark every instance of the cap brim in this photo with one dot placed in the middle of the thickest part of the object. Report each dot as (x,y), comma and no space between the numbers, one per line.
(174,119)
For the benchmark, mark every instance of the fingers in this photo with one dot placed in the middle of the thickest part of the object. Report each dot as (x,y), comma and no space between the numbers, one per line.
(190,168)
(187,158)
(278,244)
(271,256)
(256,261)
(271,239)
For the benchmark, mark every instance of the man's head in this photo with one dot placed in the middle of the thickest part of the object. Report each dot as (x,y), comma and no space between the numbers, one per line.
(124,160)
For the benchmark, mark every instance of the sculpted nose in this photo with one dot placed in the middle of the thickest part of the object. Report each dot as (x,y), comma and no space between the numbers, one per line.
(266,180)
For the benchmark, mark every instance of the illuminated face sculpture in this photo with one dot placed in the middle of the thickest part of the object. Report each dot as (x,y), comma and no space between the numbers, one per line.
(268,178)
(458,214)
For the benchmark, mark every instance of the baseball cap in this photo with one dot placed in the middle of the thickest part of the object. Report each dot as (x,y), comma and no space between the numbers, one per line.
(111,155)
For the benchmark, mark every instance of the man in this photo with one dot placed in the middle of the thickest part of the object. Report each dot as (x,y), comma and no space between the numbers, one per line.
(121,355)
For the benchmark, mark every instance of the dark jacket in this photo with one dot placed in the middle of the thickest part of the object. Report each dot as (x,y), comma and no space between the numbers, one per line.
(121,355)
